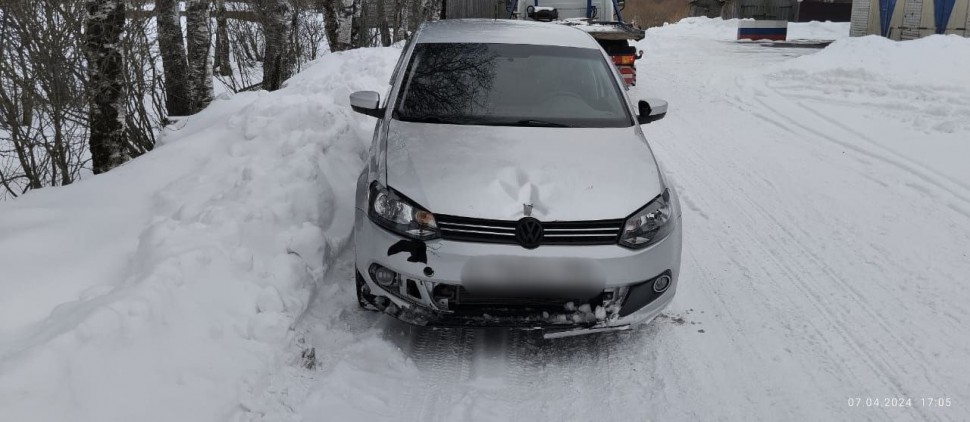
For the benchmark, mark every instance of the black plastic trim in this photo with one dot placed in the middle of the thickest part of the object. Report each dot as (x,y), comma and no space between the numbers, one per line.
(642,294)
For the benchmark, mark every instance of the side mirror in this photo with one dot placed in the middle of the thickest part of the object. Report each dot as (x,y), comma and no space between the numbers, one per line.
(651,110)
(367,102)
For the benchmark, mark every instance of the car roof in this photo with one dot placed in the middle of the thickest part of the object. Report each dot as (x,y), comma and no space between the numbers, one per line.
(503,31)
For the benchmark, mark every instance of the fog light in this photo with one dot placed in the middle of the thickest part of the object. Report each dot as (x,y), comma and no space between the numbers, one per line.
(383,276)
(661,283)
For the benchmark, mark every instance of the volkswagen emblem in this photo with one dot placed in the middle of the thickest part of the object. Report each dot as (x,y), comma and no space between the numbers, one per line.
(528,232)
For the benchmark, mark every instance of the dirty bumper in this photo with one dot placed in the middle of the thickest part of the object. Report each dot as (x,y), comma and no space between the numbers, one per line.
(611,310)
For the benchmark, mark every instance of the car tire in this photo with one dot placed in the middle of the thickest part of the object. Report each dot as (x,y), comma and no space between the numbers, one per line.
(364,299)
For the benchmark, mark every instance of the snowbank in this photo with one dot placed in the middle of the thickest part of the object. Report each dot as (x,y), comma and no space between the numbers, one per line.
(904,102)
(937,60)
(165,289)
(727,29)
(909,101)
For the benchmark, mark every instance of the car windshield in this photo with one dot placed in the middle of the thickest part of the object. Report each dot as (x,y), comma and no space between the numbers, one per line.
(510,85)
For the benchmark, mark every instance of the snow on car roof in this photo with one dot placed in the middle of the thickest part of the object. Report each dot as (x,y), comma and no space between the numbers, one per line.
(503,31)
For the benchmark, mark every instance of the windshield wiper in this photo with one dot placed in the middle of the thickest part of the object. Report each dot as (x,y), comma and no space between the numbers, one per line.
(538,123)
(441,120)
(457,120)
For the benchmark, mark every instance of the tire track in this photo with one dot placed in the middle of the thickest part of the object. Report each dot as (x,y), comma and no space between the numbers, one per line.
(786,245)
(443,355)
(821,326)
(936,179)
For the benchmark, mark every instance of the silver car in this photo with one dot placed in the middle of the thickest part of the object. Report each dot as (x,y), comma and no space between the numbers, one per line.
(509,184)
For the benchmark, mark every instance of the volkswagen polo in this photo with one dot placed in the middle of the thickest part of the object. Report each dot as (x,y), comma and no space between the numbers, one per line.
(509,184)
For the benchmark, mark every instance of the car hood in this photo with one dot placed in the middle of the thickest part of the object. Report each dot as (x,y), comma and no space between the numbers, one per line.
(566,174)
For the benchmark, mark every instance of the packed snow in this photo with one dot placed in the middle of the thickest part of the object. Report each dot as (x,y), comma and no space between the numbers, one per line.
(827,223)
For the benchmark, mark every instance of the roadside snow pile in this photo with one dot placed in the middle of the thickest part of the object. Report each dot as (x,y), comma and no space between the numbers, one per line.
(700,27)
(166,289)
(816,30)
(909,100)
(937,60)
(727,29)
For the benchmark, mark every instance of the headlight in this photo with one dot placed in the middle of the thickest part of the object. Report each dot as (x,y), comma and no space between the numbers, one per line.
(649,225)
(396,213)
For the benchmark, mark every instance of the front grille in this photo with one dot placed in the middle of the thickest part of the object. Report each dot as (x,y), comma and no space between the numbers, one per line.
(593,232)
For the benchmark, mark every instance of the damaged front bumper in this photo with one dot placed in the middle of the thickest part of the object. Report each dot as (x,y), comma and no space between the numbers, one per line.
(614,309)
(434,290)
(636,304)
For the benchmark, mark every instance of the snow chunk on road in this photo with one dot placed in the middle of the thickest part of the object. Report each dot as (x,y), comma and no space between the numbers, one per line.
(165,290)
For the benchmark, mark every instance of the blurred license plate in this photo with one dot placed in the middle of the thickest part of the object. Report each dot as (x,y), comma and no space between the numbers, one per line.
(518,273)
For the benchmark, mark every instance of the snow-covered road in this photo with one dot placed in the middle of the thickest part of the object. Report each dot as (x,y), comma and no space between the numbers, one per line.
(826,200)
(820,266)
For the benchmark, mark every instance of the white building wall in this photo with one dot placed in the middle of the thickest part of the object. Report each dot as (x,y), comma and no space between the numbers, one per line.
(860,18)
(966,26)
(960,19)
(912,17)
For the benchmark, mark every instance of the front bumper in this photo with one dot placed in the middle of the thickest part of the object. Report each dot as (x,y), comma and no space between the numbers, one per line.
(622,296)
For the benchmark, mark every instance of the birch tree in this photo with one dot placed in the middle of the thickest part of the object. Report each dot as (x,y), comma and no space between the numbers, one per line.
(278,19)
(104,24)
(171,43)
(199,47)
(338,17)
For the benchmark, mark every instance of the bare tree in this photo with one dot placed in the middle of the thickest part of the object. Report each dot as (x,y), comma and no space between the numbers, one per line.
(383,25)
(384,22)
(339,15)
(279,21)
(397,22)
(42,108)
(222,54)
(312,33)
(245,44)
(106,88)
(171,43)
(48,97)
(357,24)
(199,47)
(146,94)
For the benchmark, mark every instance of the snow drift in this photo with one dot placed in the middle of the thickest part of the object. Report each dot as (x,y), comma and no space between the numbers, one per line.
(906,101)
(165,289)
(727,29)
(937,60)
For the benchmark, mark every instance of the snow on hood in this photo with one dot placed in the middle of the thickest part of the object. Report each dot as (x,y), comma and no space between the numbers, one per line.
(490,172)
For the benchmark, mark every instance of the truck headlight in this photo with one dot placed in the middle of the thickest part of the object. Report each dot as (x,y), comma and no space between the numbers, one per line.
(398,214)
(649,225)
